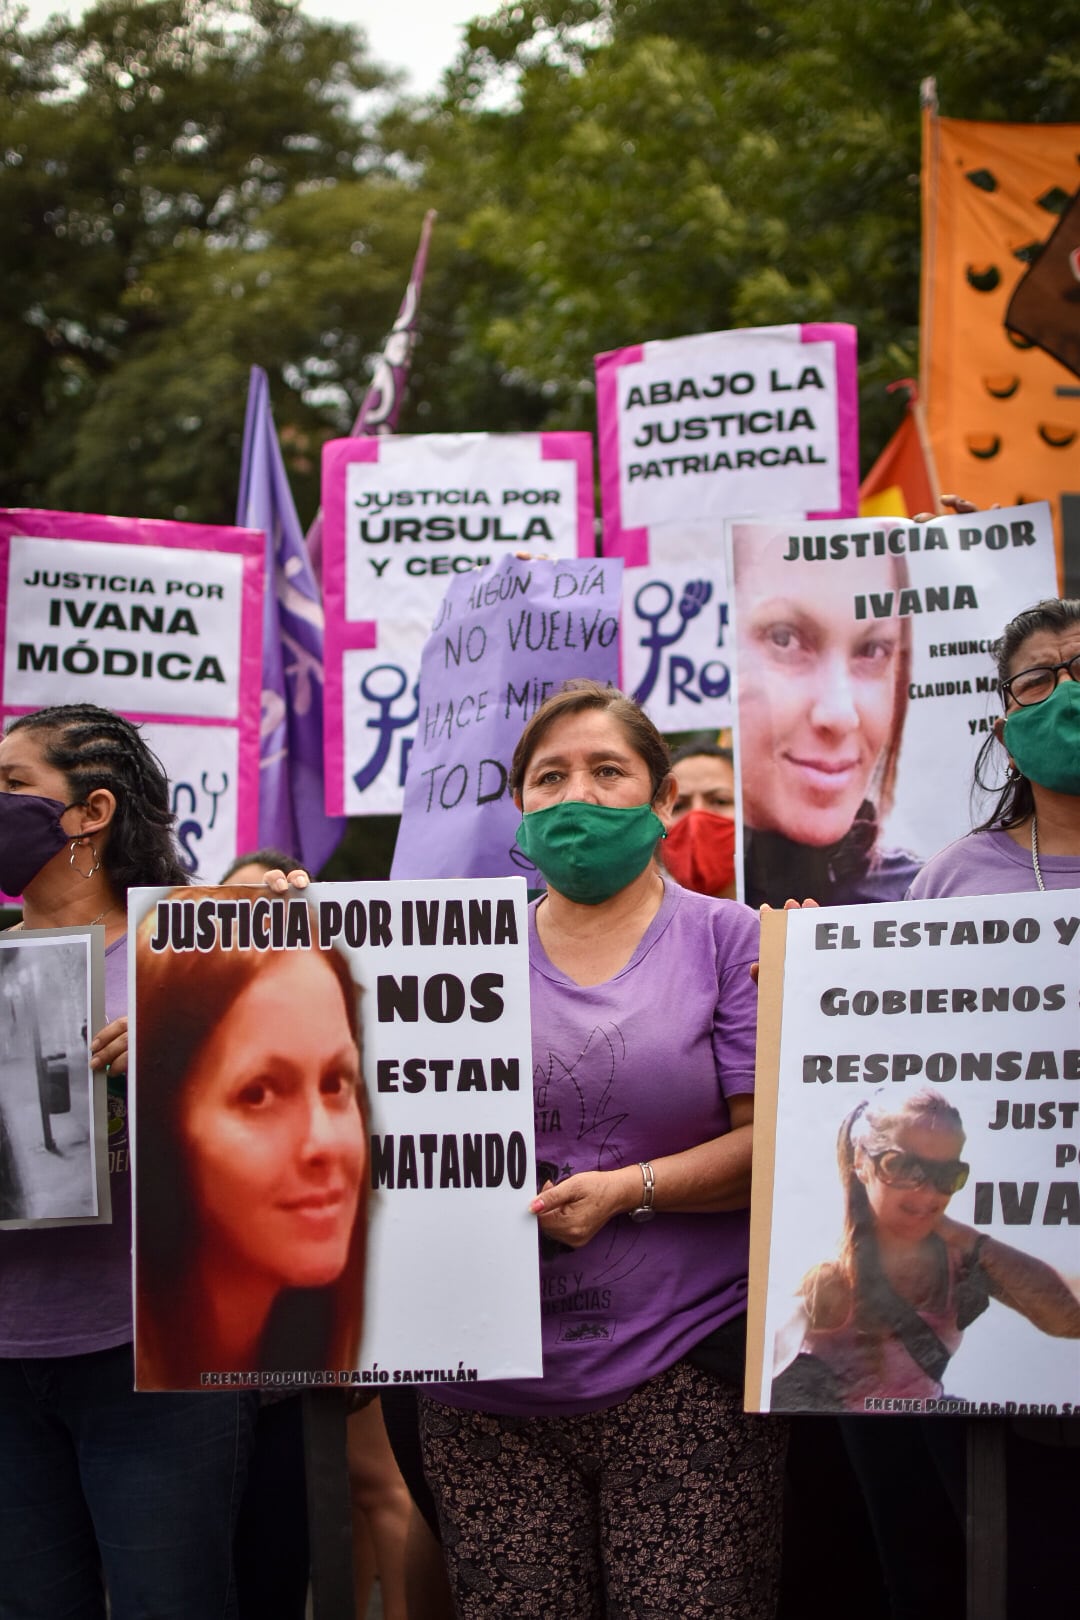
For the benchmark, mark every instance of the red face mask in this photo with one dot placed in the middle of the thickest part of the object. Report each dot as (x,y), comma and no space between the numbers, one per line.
(699,851)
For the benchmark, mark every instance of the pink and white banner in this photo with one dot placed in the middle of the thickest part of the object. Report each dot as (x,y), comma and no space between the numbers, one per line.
(724,424)
(403,515)
(161,622)
(694,430)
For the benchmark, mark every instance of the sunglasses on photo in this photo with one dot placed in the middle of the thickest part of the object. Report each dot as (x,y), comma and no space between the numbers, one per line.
(896,1168)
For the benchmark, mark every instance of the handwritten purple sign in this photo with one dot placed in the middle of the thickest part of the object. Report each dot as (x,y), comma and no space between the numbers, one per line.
(505,638)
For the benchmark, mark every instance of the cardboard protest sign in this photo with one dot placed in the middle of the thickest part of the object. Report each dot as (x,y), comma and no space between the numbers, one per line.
(161,622)
(505,639)
(915,1233)
(332,1135)
(403,516)
(692,431)
(54,1162)
(866,688)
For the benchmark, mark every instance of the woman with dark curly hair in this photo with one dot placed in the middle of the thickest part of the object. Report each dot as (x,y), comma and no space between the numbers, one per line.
(1031,838)
(102,1491)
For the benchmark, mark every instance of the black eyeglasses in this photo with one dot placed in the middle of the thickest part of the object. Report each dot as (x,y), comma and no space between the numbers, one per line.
(1036,684)
(899,1169)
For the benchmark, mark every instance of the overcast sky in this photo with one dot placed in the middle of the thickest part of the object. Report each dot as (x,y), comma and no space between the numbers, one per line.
(420,36)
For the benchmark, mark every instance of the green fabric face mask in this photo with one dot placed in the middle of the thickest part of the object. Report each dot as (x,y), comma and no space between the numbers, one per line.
(588,852)
(1044,740)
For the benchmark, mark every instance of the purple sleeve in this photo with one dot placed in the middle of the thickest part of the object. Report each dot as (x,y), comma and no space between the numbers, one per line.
(736,931)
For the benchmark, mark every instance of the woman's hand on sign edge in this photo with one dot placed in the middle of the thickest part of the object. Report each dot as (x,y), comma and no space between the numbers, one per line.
(281,881)
(789,905)
(109,1047)
(959,505)
(574,1210)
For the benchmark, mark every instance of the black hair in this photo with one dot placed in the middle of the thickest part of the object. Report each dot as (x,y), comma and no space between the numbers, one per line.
(1015,801)
(274,860)
(577,697)
(96,748)
(709,750)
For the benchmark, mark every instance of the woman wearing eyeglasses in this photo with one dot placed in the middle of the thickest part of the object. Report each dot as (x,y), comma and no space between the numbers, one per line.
(886,1317)
(1031,839)
(912,1471)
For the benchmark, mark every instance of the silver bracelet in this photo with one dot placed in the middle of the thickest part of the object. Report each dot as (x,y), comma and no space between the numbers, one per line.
(645,1210)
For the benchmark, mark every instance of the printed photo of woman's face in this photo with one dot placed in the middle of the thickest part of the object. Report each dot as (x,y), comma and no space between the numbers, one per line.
(817,690)
(908,1208)
(272,1129)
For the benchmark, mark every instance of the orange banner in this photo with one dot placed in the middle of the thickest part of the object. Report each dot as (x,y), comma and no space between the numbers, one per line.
(1003,417)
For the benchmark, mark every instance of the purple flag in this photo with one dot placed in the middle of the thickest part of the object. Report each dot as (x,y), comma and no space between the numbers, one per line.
(382,402)
(506,637)
(292,816)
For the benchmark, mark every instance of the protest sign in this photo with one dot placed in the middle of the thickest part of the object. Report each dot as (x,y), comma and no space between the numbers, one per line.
(695,430)
(403,516)
(866,689)
(675,643)
(723,424)
(54,1161)
(931,1051)
(332,1183)
(161,622)
(505,639)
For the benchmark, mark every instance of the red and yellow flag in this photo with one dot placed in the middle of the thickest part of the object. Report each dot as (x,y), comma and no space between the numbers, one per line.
(902,480)
(1003,417)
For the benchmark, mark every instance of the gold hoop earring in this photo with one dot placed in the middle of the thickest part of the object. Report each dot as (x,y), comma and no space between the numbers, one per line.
(96,864)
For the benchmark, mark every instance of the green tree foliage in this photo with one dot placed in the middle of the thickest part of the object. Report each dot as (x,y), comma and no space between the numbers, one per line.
(189,187)
(627,169)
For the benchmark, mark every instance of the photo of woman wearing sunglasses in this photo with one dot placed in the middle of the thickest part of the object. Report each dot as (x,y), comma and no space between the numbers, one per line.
(887,1315)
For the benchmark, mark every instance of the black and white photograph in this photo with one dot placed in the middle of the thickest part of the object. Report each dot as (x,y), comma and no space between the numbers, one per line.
(52,1134)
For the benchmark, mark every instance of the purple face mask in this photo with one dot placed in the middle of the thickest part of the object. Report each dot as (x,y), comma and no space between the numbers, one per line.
(30,835)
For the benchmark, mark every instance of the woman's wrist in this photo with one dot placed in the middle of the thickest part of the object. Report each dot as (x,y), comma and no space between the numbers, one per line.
(632,1188)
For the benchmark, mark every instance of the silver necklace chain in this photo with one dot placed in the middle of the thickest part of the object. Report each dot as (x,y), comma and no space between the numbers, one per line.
(1035,851)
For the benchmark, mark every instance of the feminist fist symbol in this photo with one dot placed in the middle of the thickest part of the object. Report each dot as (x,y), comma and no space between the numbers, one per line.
(695,596)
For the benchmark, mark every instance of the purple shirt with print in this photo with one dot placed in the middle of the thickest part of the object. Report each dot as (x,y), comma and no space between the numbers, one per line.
(633,1069)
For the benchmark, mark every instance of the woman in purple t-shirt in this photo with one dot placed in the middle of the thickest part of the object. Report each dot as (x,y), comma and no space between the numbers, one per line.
(1031,839)
(628,1478)
(96,1481)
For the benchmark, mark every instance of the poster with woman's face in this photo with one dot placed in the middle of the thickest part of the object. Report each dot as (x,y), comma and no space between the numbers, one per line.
(865,687)
(915,1238)
(53,1127)
(332,1135)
